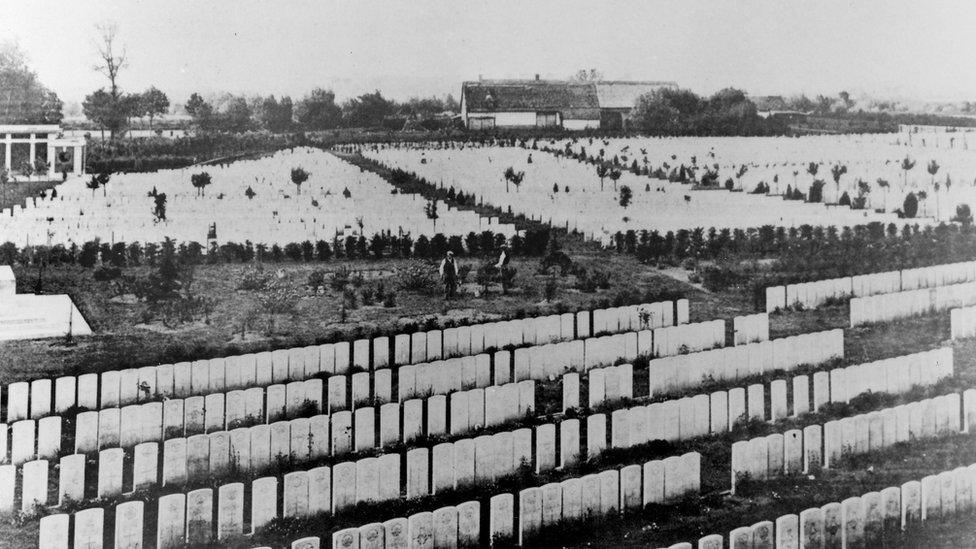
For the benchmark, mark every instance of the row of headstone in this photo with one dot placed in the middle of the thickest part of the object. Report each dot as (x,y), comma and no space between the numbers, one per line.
(452,526)
(250,450)
(444,466)
(750,328)
(803,452)
(607,493)
(156,421)
(925,419)
(963,322)
(28,439)
(688,338)
(206,515)
(871,520)
(810,295)
(604,386)
(120,388)
(886,307)
(679,372)
(720,411)
(891,375)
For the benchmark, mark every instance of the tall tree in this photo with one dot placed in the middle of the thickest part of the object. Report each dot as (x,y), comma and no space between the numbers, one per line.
(366,111)
(25,99)
(318,110)
(152,103)
(112,59)
(200,111)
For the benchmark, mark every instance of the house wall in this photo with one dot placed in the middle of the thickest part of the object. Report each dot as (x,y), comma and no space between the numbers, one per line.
(511,119)
(578,125)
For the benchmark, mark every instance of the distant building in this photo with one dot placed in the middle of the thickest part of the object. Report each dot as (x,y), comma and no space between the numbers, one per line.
(617,99)
(40,144)
(571,105)
(775,106)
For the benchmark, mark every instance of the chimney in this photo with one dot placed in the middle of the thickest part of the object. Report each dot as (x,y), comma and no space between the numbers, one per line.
(536,77)
(479,78)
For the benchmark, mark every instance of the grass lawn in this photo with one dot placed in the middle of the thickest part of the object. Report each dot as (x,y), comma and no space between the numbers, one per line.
(18,192)
(129,333)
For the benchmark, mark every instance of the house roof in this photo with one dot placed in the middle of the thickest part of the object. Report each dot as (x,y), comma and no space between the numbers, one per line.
(575,100)
(623,94)
(529,96)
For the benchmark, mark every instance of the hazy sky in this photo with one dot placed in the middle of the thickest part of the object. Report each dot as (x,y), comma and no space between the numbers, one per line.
(915,49)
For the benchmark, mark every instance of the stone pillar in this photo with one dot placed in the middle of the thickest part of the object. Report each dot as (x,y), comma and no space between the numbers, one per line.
(33,148)
(78,159)
(52,158)
(6,152)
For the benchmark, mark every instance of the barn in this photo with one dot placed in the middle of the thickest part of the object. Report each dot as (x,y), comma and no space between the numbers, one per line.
(571,105)
(618,97)
(489,104)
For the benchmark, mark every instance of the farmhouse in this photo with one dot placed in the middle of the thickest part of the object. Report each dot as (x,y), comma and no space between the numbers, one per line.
(488,104)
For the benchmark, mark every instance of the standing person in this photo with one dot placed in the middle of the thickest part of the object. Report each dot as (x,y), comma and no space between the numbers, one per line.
(502,258)
(449,273)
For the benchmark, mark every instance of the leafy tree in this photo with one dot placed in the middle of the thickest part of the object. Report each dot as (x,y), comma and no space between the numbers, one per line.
(626,195)
(318,110)
(932,168)
(513,177)
(159,207)
(430,210)
(816,191)
(97,180)
(276,116)
(152,103)
(200,181)
(910,207)
(237,117)
(27,168)
(366,111)
(588,75)
(614,177)
(906,165)
(200,111)
(298,176)
(836,172)
(25,99)
(963,215)
(602,170)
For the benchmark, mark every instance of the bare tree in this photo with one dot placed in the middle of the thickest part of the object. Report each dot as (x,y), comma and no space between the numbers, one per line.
(113,57)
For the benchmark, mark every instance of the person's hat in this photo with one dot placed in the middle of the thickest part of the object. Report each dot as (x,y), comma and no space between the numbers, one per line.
(450,253)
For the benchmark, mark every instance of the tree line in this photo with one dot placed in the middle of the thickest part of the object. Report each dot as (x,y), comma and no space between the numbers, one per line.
(95,253)
(726,258)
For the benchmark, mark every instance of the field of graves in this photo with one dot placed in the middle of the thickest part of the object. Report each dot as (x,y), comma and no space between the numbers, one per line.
(597,399)
(509,430)
(577,183)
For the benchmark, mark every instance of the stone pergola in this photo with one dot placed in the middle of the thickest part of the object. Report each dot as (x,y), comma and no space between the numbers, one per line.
(62,154)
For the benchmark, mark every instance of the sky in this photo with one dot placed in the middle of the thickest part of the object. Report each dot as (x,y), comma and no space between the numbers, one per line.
(922,50)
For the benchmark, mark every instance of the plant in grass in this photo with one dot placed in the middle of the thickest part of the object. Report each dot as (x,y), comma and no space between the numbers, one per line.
(299,176)
(200,181)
